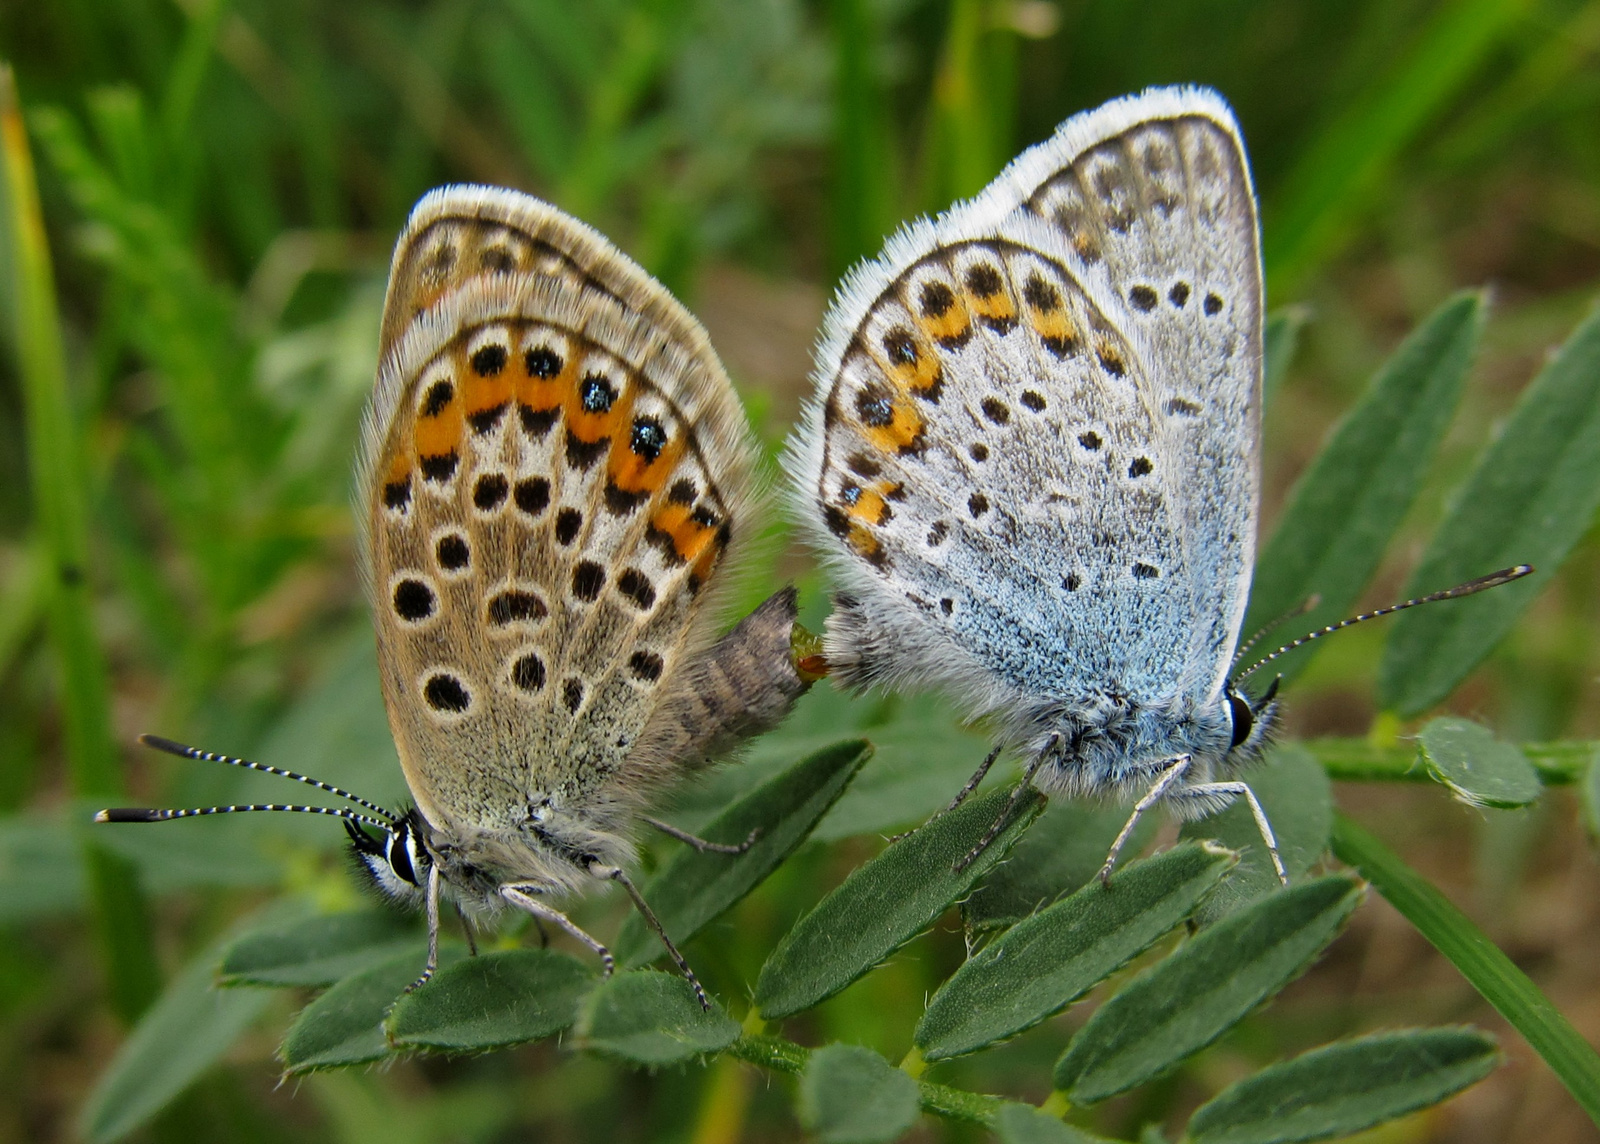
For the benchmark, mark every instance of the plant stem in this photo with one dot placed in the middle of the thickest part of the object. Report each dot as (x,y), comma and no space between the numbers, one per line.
(781,1055)
(1480,961)
(61,521)
(1359,760)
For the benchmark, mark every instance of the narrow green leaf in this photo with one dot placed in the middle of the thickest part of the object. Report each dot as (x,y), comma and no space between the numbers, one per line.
(652,1018)
(851,1095)
(317,951)
(693,888)
(1024,1124)
(1531,496)
(1280,339)
(1344,510)
(1479,769)
(1061,852)
(1189,1000)
(1480,961)
(488,1002)
(188,1029)
(1347,1087)
(1297,797)
(884,903)
(1043,964)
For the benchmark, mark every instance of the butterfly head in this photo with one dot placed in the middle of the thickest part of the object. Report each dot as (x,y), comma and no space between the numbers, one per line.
(396,860)
(1252,720)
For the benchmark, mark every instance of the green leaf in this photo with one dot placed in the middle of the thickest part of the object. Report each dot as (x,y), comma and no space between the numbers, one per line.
(884,903)
(1297,798)
(653,1018)
(1043,964)
(1280,339)
(851,1095)
(1531,496)
(693,888)
(344,1026)
(1024,1124)
(1061,851)
(1189,1000)
(1347,1087)
(1479,769)
(317,951)
(1345,509)
(188,1029)
(1480,961)
(504,998)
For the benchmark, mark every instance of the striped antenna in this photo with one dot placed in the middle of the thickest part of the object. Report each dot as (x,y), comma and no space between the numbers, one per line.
(142,814)
(1299,609)
(185,752)
(1493,580)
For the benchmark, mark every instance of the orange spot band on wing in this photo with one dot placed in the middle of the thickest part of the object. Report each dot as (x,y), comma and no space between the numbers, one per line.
(633,472)
(439,433)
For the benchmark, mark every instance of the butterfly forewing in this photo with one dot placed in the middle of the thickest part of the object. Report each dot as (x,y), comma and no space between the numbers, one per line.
(556,468)
(1034,451)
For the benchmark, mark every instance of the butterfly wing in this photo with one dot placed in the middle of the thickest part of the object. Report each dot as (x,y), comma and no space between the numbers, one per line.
(555,470)
(1033,454)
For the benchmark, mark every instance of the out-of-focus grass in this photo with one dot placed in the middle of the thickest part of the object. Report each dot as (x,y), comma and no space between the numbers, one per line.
(221,182)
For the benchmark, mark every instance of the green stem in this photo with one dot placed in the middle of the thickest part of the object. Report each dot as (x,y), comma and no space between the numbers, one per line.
(1359,760)
(1480,961)
(61,520)
(781,1055)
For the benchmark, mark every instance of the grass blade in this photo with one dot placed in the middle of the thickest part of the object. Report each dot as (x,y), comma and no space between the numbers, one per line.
(692,889)
(1345,1088)
(56,470)
(884,903)
(1530,498)
(1346,507)
(1319,199)
(182,1035)
(1480,961)
(1189,1000)
(1043,964)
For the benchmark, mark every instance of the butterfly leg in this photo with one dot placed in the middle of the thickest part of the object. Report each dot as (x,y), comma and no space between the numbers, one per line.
(523,898)
(701,844)
(429,969)
(1018,793)
(1174,771)
(961,795)
(616,874)
(466,929)
(1239,788)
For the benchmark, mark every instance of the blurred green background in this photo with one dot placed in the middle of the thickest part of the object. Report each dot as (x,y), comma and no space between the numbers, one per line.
(221,184)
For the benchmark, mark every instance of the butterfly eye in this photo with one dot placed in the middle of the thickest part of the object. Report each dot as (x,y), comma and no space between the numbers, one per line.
(1244,719)
(400,856)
